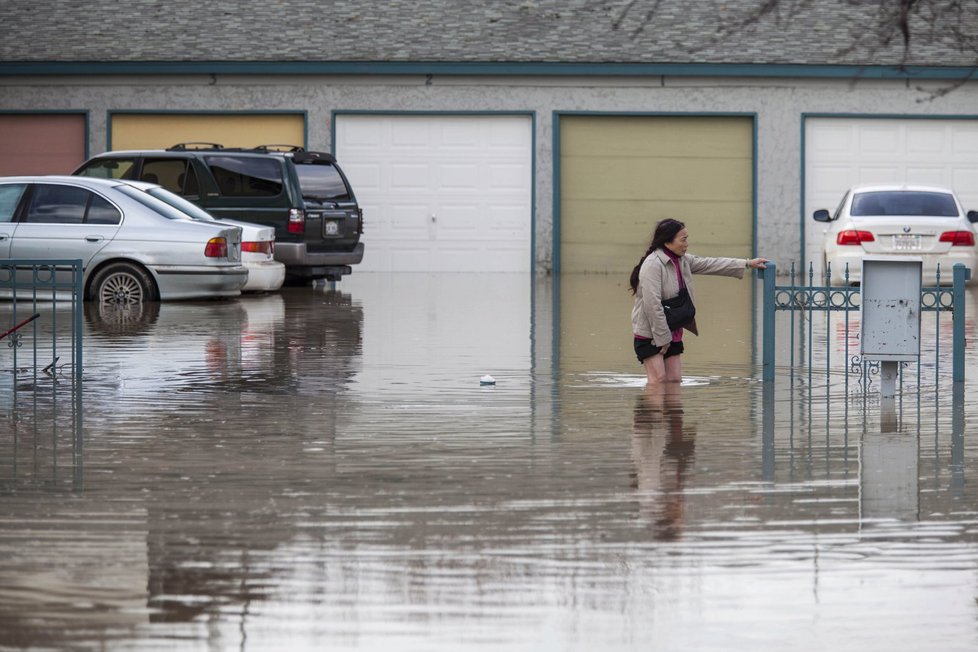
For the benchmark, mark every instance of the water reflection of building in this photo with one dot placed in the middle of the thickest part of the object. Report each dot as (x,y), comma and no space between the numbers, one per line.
(249,397)
(298,340)
(870,458)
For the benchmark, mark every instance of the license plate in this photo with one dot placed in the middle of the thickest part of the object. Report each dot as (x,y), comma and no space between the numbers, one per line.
(906,243)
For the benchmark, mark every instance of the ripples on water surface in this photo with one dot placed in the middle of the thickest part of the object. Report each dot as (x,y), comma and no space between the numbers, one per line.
(322,470)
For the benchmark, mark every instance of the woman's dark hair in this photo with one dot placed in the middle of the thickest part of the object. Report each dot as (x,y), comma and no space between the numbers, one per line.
(665,231)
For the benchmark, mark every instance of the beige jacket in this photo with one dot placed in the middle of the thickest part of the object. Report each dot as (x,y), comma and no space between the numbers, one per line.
(657,281)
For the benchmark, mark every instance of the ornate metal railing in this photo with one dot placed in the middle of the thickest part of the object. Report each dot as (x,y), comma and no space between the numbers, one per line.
(805,302)
(40,369)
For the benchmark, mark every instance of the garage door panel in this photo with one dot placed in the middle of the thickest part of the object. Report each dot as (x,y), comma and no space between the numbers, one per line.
(458,221)
(458,135)
(623,174)
(926,141)
(503,177)
(837,139)
(665,179)
(361,135)
(408,220)
(879,140)
(929,175)
(506,136)
(408,177)
(459,177)
(463,259)
(967,178)
(879,173)
(367,174)
(408,137)
(965,140)
(505,219)
(39,143)
(632,136)
(161,130)
(406,258)
(472,165)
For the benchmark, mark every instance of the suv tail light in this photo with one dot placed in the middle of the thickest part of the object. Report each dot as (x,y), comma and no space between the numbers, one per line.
(266,247)
(360,222)
(297,220)
(216,248)
(959,238)
(852,237)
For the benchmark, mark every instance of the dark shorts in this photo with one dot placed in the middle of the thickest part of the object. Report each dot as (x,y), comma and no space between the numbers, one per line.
(646,349)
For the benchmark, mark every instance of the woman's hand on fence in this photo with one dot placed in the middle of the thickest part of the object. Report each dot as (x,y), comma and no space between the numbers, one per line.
(757,263)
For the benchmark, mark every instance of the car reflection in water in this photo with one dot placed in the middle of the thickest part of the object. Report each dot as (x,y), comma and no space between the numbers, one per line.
(297,341)
(224,402)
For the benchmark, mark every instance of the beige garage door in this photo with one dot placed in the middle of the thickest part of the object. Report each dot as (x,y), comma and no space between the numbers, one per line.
(161,130)
(619,175)
(41,143)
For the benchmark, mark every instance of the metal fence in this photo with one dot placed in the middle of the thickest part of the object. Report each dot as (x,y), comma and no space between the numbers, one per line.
(814,306)
(40,372)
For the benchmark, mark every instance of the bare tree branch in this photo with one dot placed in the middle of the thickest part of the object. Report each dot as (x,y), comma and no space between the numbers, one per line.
(905,28)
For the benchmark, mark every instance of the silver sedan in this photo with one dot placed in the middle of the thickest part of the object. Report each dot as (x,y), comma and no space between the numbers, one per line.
(132,246)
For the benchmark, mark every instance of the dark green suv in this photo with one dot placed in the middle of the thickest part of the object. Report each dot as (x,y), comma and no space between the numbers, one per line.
(304,195)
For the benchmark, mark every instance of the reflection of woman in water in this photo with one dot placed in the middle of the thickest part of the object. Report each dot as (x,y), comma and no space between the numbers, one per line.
(662,272)
(661,450)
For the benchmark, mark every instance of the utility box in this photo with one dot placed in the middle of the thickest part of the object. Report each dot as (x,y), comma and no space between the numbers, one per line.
(890,300)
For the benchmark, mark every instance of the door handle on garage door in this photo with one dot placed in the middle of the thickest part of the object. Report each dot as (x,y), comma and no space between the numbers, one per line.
(94,238)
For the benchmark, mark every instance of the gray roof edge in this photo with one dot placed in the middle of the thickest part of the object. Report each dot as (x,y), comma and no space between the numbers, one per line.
(487,68)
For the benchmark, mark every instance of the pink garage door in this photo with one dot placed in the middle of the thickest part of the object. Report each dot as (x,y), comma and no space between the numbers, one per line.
(41,143)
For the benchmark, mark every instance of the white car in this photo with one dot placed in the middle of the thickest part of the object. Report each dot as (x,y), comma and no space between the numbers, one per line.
(902,220)
(265,274)
(131,250)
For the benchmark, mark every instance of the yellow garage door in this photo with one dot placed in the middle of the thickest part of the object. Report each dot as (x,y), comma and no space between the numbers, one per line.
(161,130)
(619,175)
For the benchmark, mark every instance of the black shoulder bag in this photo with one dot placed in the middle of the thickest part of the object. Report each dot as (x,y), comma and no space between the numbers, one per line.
(679,309)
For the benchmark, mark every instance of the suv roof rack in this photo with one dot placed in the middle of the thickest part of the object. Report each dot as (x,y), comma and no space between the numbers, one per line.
(276,147)
(183,147)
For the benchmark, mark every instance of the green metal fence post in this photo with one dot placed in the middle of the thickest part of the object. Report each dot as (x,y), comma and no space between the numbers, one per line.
(769,275)
(961,275)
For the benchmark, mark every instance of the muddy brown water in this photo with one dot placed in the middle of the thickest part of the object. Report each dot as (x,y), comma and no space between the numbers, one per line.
(321,469)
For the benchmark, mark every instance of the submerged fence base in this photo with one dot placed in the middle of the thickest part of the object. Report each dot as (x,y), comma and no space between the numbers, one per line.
(40,372)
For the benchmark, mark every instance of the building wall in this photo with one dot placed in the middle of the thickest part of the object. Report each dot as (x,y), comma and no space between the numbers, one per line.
(777,103)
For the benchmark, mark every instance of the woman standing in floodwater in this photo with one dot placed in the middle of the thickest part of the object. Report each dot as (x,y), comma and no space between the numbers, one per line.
(661,273)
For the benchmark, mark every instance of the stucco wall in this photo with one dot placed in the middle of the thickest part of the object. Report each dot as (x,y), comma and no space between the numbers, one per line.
(778,106)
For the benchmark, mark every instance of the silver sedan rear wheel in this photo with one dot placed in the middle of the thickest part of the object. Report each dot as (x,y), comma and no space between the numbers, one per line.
(122,284)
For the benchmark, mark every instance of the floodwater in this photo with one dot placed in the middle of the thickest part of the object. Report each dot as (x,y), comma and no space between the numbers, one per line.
(322,469)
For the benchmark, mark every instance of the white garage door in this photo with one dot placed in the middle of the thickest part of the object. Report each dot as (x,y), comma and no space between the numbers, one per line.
(441,193)
(841,152)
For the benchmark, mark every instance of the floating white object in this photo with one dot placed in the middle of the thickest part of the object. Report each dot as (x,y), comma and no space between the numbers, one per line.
(487,380)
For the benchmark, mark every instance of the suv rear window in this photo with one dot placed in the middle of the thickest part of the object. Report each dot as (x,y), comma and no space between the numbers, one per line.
(246,177)
(322,182)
